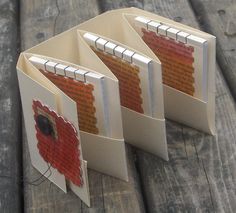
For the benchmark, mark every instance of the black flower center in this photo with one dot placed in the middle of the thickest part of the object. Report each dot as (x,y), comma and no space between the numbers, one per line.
(44,125)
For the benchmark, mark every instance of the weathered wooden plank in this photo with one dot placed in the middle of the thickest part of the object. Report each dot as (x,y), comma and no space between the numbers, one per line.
(202,181)
(10,143)
(41,20)
(210,182)
(107,193)
(115,195)
(110,5)
(192,184)
(219,18)
(37,21)
(218,154)
(179,185)
(200,176)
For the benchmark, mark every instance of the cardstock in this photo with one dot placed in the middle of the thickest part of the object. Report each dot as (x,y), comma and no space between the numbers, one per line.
(196,110)
(140,91)
(92,88)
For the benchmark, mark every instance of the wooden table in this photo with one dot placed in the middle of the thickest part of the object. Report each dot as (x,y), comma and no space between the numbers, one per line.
(201,173)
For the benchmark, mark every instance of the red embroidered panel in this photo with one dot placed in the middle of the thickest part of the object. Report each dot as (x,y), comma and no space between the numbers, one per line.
(176,58)
(82,94)
(58,143)
(129,81)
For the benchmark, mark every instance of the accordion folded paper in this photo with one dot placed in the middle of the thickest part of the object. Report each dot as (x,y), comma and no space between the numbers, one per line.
(187,56)
(141,94)
(60,98)
(183,56)
(86,91)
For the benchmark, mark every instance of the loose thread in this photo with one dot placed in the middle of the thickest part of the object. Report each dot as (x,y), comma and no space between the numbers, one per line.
(41,178)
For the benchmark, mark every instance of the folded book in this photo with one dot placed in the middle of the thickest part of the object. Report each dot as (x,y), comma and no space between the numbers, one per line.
(86,91)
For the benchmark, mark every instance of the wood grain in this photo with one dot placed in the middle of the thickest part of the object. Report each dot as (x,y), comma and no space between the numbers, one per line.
(194,179)
(107,194)
(10,141)
(219,18)
(200,176)
(201,173)
(110,5)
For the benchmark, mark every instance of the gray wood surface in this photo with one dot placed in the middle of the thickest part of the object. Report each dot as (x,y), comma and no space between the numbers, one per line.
(200,176)
(219,18)
(10,140)
(201,173)
(41,20)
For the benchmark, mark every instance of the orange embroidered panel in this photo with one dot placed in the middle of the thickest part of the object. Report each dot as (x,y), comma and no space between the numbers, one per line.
(129,81)
(176,58)
(82,94)
(58,142)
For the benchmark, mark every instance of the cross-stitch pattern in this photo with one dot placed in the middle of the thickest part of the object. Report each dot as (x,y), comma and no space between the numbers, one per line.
(82,93)
(58,143)
(176,58)
(129,81)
